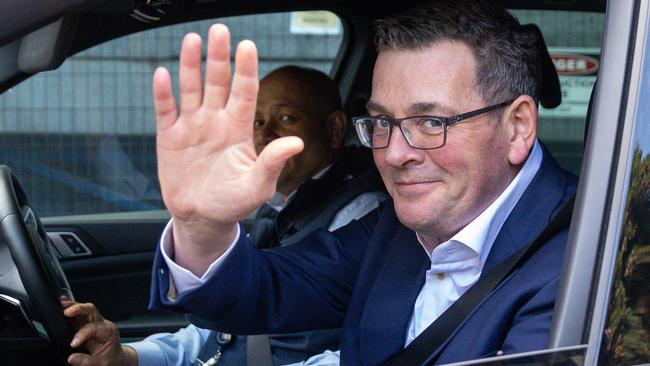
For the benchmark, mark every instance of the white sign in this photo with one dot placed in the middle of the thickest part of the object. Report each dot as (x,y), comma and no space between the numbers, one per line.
(576,91)
(314,22)
(576,67)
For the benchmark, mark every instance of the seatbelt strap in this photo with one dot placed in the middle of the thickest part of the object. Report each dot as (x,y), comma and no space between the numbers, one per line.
(258,350)
(421,348)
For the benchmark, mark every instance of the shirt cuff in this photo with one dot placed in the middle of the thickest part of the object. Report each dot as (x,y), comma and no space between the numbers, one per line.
(327,358)
(149,354)
(181,278)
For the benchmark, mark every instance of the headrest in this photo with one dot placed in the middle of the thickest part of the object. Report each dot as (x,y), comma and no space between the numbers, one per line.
(590,107)
(550,94)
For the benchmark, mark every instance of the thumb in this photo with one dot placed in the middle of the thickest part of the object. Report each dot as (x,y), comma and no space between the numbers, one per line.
(78,359)
(271,160)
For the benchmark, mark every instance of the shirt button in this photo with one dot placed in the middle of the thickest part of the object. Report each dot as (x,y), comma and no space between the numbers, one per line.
(440,276)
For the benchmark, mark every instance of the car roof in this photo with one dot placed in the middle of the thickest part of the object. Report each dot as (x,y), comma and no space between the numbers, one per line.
(28,15)
(40,34)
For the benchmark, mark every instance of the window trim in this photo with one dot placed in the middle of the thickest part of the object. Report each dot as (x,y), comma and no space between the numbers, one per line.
(620,181)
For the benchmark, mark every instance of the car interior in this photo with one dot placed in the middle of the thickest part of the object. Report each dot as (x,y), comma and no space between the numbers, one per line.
(77,132)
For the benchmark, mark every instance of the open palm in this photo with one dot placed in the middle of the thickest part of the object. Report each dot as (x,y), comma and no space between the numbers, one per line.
(209,173)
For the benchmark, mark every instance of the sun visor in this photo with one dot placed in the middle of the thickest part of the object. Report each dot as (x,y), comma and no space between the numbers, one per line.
(46,48)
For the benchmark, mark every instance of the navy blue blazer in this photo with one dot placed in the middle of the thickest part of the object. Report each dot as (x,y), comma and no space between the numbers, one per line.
(366,276)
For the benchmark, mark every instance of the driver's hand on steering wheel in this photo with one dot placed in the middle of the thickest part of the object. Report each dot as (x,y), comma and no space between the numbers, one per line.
(98,335)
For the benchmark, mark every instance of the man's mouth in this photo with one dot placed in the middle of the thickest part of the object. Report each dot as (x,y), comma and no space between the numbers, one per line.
(419,187)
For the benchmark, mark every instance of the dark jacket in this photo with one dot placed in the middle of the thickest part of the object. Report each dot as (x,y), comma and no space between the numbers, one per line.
(313,206)
(367,275)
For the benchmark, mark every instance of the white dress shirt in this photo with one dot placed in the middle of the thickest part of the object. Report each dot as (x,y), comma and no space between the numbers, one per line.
(455,264)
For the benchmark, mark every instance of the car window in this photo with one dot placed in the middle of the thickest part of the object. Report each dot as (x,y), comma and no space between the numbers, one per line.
(573,39)
(81,138)
(626,335)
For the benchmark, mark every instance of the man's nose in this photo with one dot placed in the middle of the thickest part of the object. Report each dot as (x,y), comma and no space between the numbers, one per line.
(268,131)
(399,152)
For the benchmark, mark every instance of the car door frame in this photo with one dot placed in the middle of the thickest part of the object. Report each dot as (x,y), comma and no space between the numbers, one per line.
(594,237)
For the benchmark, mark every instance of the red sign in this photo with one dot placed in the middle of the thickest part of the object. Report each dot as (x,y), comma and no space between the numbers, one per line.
(566,64)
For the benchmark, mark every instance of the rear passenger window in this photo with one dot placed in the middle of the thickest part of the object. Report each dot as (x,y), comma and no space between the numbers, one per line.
(573,40)
(81,139)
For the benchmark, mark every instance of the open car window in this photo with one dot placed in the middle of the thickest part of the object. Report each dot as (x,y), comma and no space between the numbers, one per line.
(82,138)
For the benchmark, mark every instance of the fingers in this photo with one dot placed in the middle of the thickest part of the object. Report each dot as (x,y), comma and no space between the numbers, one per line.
(245,84)
(88,310)
(217,68)
(99,332)
(163,99)
(189,74)
(67,303)
(238,99)
(77,321)
(272,159)
(80,359)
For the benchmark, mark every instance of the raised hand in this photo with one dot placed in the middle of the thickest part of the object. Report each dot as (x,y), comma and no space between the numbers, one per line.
(209,173)
(99,335)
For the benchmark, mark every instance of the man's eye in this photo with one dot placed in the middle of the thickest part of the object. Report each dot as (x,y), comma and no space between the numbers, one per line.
(382,123)
(287,118)
(431,126)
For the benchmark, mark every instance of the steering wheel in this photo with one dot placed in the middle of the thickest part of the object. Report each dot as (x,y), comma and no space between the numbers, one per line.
(33,281)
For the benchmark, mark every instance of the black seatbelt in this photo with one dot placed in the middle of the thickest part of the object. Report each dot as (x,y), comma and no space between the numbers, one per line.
(419,351)
(258,350)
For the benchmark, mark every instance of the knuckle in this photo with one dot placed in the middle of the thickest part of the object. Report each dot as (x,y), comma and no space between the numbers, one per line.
(110,326)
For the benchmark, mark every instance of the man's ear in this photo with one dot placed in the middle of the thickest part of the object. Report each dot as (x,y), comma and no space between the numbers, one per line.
(521,125)
(336,124)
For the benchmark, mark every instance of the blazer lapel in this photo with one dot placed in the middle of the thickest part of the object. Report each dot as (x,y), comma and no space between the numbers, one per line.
(546,193)
(389,305)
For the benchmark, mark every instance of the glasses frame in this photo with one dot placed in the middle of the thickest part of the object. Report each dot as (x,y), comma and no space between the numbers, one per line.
(446,123)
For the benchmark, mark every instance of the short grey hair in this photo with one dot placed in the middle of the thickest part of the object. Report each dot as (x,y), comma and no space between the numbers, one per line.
(506,54)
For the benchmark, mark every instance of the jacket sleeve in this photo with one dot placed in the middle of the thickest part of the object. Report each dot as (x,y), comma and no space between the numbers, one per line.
(531,326)
(289,289)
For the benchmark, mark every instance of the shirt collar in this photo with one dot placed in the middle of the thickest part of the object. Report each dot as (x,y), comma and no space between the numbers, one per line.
(480,233)
(278,202)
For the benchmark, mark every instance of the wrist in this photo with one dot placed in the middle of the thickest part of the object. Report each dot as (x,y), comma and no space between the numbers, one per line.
(195,248)
(203,237)
(130,355)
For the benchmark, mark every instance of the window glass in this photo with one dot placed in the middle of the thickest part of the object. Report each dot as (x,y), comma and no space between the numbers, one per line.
(626,338)
(81,138)
(573,40)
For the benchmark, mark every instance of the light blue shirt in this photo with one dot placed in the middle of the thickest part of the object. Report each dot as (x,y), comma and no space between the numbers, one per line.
(171,349)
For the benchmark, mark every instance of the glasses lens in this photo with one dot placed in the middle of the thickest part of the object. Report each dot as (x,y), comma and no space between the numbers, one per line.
(425,133)
(373,132)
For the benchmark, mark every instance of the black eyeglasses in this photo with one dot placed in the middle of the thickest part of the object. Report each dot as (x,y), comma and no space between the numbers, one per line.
(421,132)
